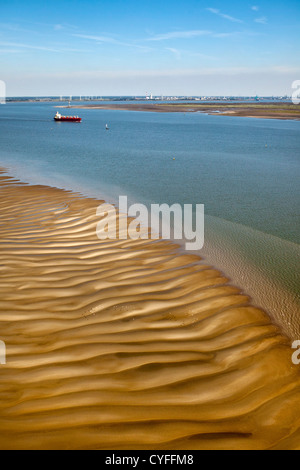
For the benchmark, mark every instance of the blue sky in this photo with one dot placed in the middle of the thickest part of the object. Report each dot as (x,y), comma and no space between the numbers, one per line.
(130,47)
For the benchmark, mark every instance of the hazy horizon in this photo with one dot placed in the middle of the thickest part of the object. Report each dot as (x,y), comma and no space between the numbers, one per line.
(89,96)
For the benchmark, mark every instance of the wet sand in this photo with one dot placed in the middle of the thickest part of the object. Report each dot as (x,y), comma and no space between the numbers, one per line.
(258,110)
(129,344)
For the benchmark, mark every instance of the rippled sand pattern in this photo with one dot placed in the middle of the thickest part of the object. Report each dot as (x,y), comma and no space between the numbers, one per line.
(129,345)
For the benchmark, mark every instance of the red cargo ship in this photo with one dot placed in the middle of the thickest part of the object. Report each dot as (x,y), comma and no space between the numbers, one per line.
(58,117)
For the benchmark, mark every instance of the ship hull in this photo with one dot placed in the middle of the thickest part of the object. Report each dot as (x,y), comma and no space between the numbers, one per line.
(67,119)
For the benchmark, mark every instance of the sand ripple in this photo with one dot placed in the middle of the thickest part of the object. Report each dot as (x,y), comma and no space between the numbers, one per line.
(117,345)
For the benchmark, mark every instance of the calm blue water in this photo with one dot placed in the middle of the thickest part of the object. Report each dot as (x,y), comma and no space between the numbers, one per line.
(246,172)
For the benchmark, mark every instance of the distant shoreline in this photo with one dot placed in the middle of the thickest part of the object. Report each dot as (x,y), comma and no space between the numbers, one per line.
(284,111)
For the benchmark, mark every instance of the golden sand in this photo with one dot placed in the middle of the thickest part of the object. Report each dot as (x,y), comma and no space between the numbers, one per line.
(129,344)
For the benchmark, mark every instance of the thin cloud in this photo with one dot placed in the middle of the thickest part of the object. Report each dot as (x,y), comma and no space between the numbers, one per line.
(17,47)
(226,35)
(262,20)
(109,40)
(98,38)
(192,34)
(179,53)
(217,12)
(14,28)
(27,46)
(255,8)
(9,51)
(64,26)
(176,52)
(202,56)
(56,26)
(230,71)
(179,35)
(70,49)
